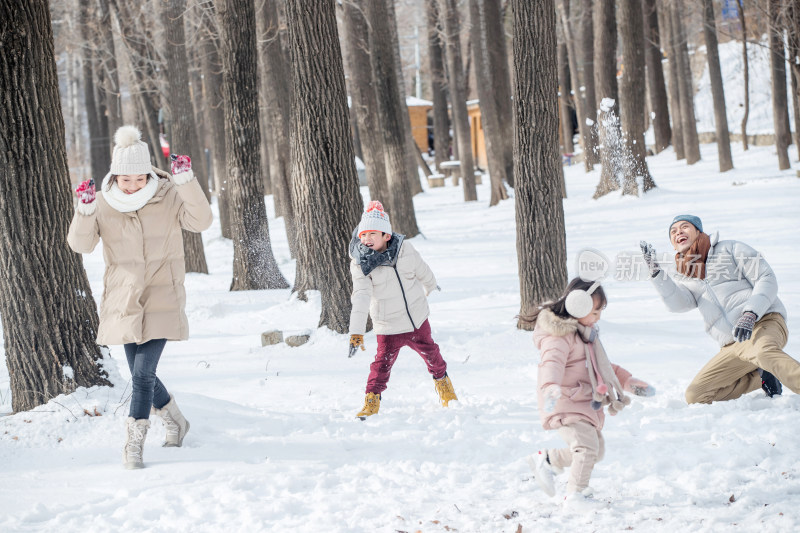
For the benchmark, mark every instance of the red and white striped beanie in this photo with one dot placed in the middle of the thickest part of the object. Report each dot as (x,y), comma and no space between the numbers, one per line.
(374,219)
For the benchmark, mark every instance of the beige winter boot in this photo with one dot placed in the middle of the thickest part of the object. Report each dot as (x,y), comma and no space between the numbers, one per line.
(372,402)
(444,387)
(136,431)
(176,425)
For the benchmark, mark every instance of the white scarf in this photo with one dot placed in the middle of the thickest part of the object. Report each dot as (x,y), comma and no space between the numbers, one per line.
(125,203)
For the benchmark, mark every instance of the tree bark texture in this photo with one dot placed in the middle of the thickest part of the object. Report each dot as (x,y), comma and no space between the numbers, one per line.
(108,61)
(48,314)
(605,81)
(793,29)
(215,111)
(410,146)
(673,94)
(745,75)
(254,266)
(632,92)
(586,69)
(325,193)
(441,120)
(364,103)
(99,142)
(136,34)
(501,82)
(391,106)
(184,138)
(541,237)
(448,10)
(489,116)
(717,91)
(691,143)
(780,106)
(277,84)
(655,76)
(572,56)
(565,88)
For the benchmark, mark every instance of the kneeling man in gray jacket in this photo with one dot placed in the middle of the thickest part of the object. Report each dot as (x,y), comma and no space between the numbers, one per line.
(736,291)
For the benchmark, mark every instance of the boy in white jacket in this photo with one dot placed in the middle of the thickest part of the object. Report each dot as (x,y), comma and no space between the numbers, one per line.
(391,283)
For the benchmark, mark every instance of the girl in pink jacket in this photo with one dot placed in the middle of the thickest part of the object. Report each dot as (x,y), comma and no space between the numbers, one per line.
(576,382)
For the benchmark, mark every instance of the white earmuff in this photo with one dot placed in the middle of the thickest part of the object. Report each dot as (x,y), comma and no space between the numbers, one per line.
(579,303)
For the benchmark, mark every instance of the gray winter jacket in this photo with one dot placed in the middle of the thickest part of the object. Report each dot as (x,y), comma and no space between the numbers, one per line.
(738,279)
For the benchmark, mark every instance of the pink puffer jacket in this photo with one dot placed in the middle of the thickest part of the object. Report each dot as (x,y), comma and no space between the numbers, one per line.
(563,363)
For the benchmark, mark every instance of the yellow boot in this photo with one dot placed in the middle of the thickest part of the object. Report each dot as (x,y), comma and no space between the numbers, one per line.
(445,389)
(372,403)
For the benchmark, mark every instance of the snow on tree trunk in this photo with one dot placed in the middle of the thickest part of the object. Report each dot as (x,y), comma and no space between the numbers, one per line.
(254,265)
(48,313)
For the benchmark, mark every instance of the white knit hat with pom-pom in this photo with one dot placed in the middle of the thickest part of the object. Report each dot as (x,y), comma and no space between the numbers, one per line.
(131,156)
(374,219)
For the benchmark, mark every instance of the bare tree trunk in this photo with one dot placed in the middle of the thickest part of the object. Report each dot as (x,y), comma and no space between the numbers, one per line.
(717,91)
(325,195)
(412,172)
(565,88)
(109,64)
(674,97)
(364,99)
(632,104)
(691,144)
(138,39)
(391,106)
(793,27)
(441,122)
(605,81)
(215,111)
(572,56)
(489,117)
(49,317)
(780,107)
(541,237)
(586,64)
(184,139)
(254,266)
(746,75)
(501,83)
(452,28)
(655,76)
(99,142)
(277,82)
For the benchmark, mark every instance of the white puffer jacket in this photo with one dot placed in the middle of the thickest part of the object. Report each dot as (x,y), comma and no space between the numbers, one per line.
(395,296)
(738,279)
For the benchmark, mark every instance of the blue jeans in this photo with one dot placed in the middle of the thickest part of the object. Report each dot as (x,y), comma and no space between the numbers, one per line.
(147,388)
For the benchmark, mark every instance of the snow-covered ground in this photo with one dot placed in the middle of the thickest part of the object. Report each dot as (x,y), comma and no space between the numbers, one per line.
(275,445)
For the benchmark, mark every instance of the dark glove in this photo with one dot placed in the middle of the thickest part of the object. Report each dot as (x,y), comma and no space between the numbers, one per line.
(180,164)
(86,192)
(649,254)
(355,342)
(744,327)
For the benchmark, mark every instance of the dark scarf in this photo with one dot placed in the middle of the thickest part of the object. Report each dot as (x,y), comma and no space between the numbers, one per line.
(693,262)
(369,259)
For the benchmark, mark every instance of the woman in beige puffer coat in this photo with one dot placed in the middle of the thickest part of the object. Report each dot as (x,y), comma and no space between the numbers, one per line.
(139,216)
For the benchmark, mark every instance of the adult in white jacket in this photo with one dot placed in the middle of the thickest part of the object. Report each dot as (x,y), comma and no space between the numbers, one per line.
(736,291)
(391,282)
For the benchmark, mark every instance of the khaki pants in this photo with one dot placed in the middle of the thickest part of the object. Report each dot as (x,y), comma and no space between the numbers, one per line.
(734,370)
(586,448)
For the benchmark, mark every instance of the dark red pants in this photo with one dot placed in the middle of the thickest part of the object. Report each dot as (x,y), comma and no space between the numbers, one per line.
(389,346)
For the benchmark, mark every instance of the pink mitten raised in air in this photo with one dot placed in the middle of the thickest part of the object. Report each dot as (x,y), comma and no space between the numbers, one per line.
(180,164)
(86,192)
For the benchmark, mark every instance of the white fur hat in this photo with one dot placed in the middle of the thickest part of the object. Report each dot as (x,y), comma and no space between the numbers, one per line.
(131,156)
(374,219)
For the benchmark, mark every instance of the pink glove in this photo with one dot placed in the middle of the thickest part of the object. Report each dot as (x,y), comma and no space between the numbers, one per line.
(639,387)
(86,192)
(180,164)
